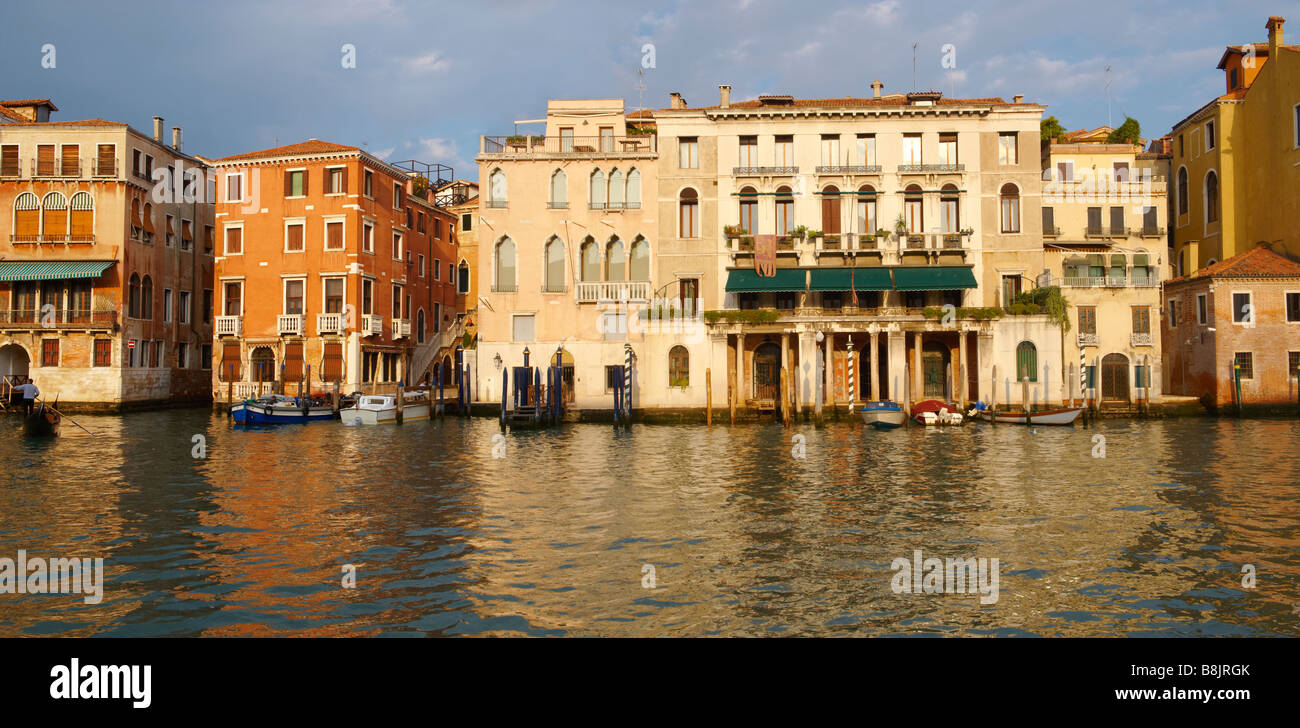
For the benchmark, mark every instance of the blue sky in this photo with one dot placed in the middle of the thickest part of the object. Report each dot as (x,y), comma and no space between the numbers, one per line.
(431,77)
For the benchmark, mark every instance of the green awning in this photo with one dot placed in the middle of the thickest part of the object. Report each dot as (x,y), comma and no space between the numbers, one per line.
(933,278)
(749,281)
(52,270)
(844,279)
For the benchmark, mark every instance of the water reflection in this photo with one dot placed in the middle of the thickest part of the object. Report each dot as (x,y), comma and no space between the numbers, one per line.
(745,537)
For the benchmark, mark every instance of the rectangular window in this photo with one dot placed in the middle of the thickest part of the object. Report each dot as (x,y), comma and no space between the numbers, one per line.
(368,238)
(437,268)
(1209,135)
(106,160)
(182,355)
(948,149)
(1244,361)
(295,183)
(437,317)
(420,267)
(1293,363)
(207,305)
(749,151)
(49,352)
(1242,310)
(1008,153)
(831,150)
(1292,307)
(69,163)
(334,181)
(398,201)
(1121,171)
(1049,221)
(187,235)
(784,150)
(293,237)
(370,184)
(209,237)
(333,295)
(234,241)
(1088,319)
(334,235)
(866,149)
(1141,320)
(367,296)
(912,149)
(466,222)
(1065,171)
(613,378)
(1011,287)
(234,187)
(103,353)
(45,160)
(9,160)
(397,246)
(167,305)
(1117,221)
(606,139)
(522,328)
(1202,309)
(566,139)
(234,299)
(183,307)
(419,222)
(397,302)
(688,152)
(205,356)
(1172,305)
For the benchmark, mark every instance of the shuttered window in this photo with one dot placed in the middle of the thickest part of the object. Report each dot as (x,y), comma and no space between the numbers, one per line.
(332,363)
(333,236)
(45,159)
(148,219)
(187,234)
(103,352)
(9,160)
(70,164)
(293,240)
(54,216)
(234,241)
(82,217)
(293,361)
(27,217)
(49,352)
(1026,362)
(295,183)
(230,365)
(106,160)
(1087,319)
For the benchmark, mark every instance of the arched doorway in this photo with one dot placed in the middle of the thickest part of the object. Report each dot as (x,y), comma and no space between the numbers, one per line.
(1114,378)
(445,376)
(934,371)
(262,363)
(767,372)
(565,361)
(14,364)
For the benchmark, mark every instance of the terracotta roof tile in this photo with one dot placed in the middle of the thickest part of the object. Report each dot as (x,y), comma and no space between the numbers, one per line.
(28,102)
(1258,262)
(311,146)
(81,122)
(848,102)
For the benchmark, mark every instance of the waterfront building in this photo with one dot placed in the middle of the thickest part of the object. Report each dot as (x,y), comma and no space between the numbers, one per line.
(1236,160)
(332,266)
(1105,245)
(1236,316)
(105,260)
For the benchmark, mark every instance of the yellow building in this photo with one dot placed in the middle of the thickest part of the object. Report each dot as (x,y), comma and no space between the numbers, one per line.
(1105,245)
(1236,160)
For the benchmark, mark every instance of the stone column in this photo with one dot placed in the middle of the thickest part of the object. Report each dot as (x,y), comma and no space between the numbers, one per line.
(897,364)
(740,368)
(828,354)
(807,377)
(875,365)
(918,381)
(818,375)
(963,381)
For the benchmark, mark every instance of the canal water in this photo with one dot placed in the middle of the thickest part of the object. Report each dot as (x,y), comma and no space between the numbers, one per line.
(453,529)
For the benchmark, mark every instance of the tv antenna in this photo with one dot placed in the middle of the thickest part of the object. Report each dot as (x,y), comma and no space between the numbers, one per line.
(914,45)
(1108,119)
(640,87)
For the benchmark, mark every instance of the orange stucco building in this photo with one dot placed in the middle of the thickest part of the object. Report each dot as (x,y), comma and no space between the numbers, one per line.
(332,266)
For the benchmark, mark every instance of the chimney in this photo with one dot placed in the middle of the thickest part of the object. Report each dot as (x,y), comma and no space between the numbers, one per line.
(1018,98)
(677,102)
(876,87)
(157,129)
(176,138)
(724,91)
(1274,26)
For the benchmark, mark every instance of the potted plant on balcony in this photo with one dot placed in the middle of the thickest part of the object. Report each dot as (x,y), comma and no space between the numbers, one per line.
(900,226)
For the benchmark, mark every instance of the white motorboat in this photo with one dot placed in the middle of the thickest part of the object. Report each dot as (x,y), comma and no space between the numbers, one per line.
(1062,416)
(381,409)
(883,414)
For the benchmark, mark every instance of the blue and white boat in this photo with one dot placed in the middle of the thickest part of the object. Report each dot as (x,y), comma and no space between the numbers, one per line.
(277,409)
(883,414)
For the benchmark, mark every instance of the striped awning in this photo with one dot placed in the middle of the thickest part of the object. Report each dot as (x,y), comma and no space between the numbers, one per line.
(932,278)
(52,270)
(848,279)
(748,281)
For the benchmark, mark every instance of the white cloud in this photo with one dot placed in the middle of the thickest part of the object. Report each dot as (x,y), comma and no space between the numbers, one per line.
(384,153)
(439,149)
(807,49)
(428,63)
(884,12)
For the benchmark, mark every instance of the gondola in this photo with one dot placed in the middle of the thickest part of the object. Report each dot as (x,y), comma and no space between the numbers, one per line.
(42,422)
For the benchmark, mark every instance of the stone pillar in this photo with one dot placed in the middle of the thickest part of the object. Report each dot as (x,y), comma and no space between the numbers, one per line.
(918,382)
(897,365)
(828,354)
(806,390)
(875,365)
(740,368)
(818,376)
(963,379)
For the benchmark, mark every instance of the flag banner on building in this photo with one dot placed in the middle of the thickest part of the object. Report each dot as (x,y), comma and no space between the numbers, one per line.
(765,255)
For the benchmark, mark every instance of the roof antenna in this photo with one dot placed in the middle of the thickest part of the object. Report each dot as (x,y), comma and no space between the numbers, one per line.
(640,87)
(1108,119)
(914,45)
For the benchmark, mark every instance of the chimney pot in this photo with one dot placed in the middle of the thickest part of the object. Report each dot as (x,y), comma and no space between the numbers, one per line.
(677,102)
(724,91)
(176,138)
(1274,26)
(157,129)
(1017,98)
(876,87)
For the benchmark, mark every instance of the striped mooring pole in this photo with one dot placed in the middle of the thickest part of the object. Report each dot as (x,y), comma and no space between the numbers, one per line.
(627,382)
(852,383)
(1083,377)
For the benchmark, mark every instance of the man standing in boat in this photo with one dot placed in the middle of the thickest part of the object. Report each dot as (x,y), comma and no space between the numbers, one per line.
(30,393)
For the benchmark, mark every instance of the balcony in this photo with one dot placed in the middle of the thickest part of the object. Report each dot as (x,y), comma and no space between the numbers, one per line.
(401,328)
(229,326)
(848,169)
(329,323)
(372,325)
(1087,339)
(1101,231)
(58,167)
(20,320)
(289,324)
(1138,278)
(1150,231)
(1140,338)
(105,168)
(1051,232)
(760,171)
(634,145)
(593,291)
(931,168)
(53,239)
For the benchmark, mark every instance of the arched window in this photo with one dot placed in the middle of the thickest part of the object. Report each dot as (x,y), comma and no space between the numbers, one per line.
(27,218)
(1211,197)
(419,326)
(1182,191)
(462,281)
(749,209)
(617,191)
(679,367)
(590,260)
(262,362)
(913,210)
(497,189)
(82,217)
(784,210)
(559,189)
(505,266)
(133,296)
(831,210)
(555,265)
(54,217)
(615,261)
(1010,208)
(688,215)
(866,212)
(597,190)
(1026,362)
(949,209)
(1118,271)
(146,298)
(638,265)
(634,190)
